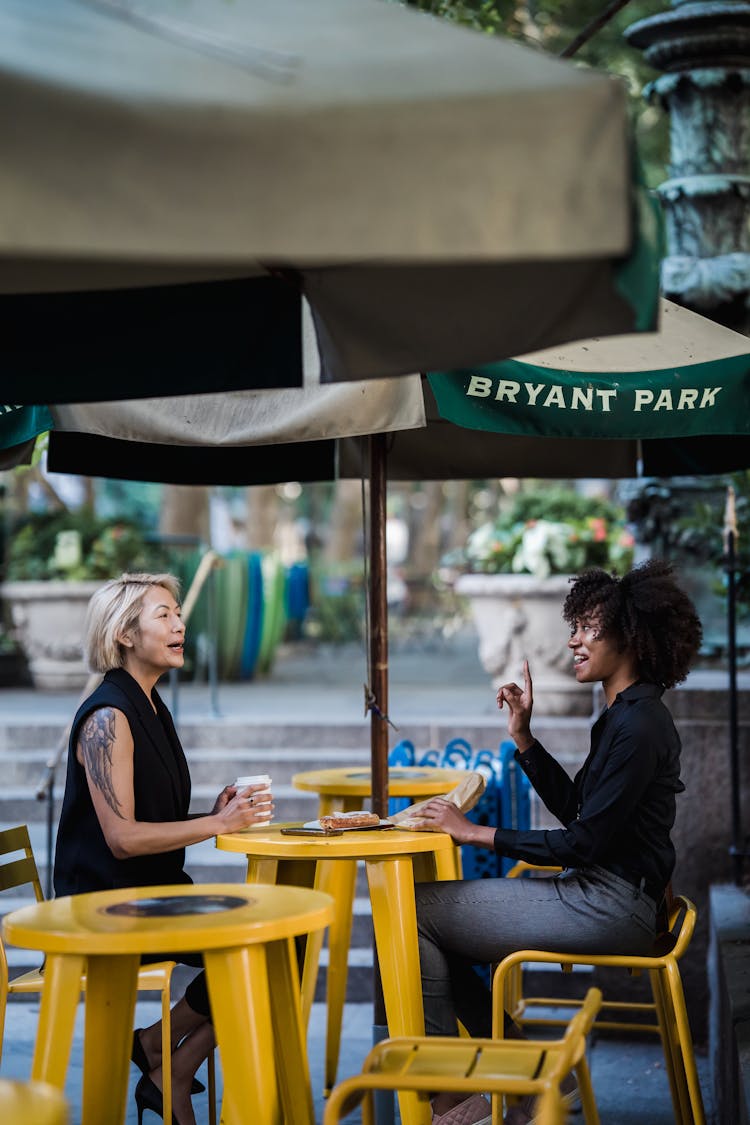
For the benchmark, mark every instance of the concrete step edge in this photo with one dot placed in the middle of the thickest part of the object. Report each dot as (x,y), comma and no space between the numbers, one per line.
(205,789)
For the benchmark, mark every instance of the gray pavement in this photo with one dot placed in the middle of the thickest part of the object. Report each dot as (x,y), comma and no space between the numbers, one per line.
(628,1075)
(431,679)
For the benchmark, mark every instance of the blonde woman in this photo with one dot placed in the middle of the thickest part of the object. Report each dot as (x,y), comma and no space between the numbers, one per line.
(125,819)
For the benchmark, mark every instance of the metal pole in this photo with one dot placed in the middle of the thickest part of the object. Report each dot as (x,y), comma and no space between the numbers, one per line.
(50,831)
(378,602)
(378,627)
(737,849)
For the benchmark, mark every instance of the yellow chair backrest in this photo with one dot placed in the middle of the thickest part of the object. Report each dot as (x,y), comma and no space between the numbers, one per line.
(18,872)
(681,931)
(15,873)
(574,1039)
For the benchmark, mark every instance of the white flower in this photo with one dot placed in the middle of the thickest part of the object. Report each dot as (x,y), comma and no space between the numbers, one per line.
(67,553)
(480,542)
(544,546)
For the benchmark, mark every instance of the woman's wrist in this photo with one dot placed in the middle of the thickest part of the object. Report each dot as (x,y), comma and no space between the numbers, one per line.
(524,741)
(480,835)
(214,825)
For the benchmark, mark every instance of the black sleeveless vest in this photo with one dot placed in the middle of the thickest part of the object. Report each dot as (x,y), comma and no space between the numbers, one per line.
(161,783)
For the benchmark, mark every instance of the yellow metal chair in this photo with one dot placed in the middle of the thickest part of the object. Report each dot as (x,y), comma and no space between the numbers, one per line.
(550,1109)
(156,977)
(514,1067)
(670,1020)
(32,1103)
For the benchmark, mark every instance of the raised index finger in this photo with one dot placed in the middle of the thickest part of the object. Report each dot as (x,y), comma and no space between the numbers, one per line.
(528,686)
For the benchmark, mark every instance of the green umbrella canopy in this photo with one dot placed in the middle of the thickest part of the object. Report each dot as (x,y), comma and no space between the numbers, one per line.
(690,379)
(672,403)
(19,429)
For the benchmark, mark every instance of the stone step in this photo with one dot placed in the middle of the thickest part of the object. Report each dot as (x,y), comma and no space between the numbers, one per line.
(28,766)
(207,764)
(18,804)
(26,769)
(239,734)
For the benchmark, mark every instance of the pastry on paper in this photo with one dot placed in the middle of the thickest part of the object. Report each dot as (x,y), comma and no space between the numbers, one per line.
(464,796)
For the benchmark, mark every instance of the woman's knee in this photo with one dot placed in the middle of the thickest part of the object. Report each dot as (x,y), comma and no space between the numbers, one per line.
(196,996)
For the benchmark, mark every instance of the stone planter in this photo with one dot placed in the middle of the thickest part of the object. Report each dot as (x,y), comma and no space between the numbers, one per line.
(48,620)
(517,616)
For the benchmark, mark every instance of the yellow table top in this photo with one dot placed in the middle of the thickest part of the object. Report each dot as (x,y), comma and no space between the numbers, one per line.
(403,781)
(162,919)
(353,844)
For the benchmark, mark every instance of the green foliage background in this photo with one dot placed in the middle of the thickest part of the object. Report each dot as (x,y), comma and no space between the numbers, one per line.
(550,25)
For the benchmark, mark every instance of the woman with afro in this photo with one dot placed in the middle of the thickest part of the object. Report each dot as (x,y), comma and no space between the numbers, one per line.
(637,636)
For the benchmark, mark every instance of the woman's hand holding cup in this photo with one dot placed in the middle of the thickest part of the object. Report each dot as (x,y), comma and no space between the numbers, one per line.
(250,802)
(256,788)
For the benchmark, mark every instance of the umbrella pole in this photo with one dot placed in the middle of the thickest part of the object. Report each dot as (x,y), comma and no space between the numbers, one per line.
(737,850)
(378,611)
(378,627)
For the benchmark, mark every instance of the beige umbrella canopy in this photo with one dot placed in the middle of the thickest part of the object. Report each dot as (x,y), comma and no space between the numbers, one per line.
(176,175)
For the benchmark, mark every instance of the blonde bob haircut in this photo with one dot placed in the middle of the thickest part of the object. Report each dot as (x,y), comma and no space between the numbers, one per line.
(115,609)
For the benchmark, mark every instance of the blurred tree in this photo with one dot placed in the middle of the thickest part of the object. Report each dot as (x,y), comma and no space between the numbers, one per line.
(343,540)
(425,545)
(261,516)
(456,513)
(184,511)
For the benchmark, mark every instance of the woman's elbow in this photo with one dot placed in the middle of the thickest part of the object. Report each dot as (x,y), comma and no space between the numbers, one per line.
(121,844)
(584,853)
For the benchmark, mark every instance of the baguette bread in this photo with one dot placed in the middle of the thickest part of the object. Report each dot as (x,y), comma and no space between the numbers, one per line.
(464,796)
(355,819)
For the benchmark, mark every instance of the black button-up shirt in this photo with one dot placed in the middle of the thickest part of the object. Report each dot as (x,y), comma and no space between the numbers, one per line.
(620,808)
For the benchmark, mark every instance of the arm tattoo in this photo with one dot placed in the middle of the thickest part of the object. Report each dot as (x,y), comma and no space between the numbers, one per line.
(97,739)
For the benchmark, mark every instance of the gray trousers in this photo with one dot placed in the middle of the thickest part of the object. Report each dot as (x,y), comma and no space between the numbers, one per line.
(467,922)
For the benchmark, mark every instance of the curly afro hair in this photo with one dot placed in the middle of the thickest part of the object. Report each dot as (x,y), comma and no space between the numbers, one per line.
(646,612)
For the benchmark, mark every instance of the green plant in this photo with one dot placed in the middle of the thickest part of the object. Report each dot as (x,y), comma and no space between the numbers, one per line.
(7,641)
(78,545)
(337,604)
(684,522)
(549,531)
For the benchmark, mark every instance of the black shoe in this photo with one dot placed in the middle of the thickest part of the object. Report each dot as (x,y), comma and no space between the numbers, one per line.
(149,1096)
(138,1056)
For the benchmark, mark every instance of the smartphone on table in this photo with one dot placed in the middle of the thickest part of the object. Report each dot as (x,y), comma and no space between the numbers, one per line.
(312,832)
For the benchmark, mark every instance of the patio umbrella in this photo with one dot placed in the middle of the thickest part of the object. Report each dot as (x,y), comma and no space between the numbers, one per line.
(177,175)
(670,403)
(673,403)
(660,398)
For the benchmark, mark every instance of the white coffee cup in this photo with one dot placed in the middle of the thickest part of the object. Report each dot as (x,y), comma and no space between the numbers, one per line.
(263,779)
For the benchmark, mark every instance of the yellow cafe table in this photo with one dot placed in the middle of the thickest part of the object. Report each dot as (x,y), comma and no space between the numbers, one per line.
(342,789)
(394,859)
(246,937)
